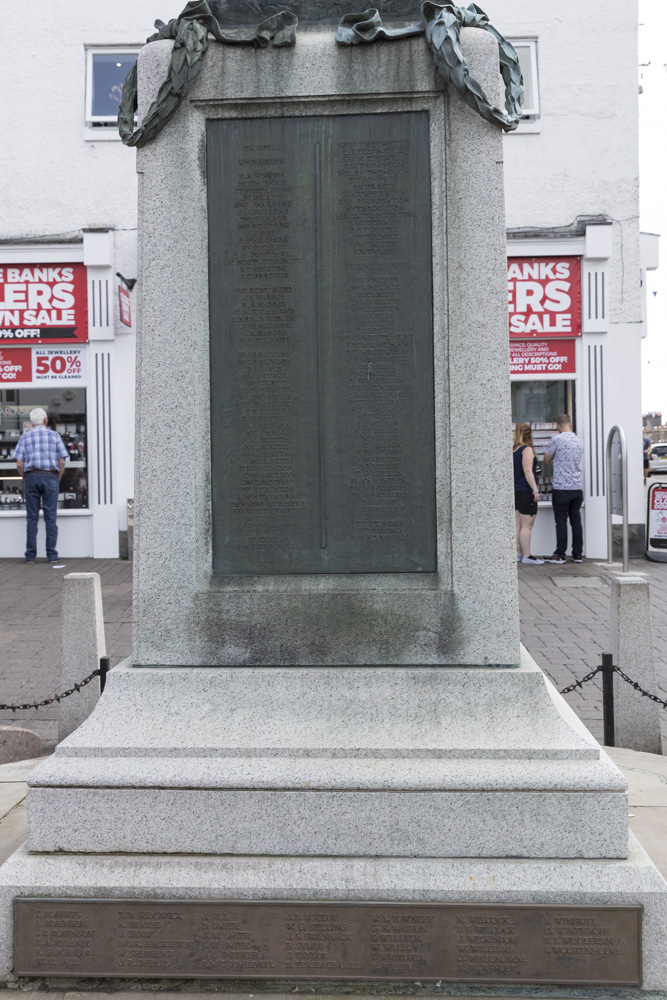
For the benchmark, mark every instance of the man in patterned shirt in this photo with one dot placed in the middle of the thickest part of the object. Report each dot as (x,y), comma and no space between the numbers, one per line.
(566,451)
(40,458)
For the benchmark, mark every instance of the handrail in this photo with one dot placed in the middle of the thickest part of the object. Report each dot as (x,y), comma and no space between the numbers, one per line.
(624,491)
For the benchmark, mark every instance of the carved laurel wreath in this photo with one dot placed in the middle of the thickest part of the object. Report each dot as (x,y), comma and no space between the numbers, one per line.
(440,24)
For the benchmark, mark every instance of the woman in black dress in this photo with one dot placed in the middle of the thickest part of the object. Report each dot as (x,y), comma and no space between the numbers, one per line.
(526,493)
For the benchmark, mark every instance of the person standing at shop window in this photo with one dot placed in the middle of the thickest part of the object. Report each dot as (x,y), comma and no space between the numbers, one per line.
(647,444)
(40,458)
(566,450)
(526,493)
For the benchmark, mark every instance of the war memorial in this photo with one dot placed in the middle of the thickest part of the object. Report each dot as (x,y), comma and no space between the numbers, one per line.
(328,762)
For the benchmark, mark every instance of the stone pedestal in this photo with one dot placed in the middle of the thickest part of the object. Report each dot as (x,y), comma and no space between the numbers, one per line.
(637,719)
(342,736)
(83,644)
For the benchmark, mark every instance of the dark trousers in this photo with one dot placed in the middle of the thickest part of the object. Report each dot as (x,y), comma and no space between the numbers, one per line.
(41,488)
(567,504)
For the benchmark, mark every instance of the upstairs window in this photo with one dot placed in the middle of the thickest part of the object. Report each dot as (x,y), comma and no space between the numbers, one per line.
(106,69)
(526,49)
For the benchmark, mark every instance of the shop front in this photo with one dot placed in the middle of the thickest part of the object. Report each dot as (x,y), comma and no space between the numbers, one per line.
(48,360)
(545,329)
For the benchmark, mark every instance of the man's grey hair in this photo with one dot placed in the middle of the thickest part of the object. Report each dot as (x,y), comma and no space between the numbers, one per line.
(38,416)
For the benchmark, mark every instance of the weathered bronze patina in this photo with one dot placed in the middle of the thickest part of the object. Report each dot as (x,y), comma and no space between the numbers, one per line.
(264,23)
(322,411)
(294,940)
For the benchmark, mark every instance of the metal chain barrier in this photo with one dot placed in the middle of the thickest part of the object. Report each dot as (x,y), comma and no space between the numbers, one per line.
(101,672)
(584,680)
(635,685)
(628,680)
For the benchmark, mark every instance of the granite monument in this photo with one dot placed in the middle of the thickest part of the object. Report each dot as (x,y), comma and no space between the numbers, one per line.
(328,757)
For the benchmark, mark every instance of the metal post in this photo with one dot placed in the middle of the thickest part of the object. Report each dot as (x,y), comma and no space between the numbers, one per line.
(104,670)
(608,699)
(624,468)
(624,498)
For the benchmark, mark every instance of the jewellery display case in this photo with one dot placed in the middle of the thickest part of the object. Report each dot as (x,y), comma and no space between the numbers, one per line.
(540,403)
(66,409)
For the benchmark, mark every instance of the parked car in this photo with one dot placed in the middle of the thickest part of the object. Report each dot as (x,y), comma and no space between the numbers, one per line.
(657,460)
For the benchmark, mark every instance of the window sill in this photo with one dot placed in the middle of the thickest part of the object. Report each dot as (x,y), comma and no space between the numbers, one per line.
(101,134)
(526,127)
(79,512)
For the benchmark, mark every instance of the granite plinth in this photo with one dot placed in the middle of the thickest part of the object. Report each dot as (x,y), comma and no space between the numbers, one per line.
(383,761)
(503,880)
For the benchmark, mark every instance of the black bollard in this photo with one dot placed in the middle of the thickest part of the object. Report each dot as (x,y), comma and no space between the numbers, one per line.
(608,699)
(104,670)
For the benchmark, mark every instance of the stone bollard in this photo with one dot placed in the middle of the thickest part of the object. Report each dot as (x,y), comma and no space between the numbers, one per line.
(82,646)
(637,718)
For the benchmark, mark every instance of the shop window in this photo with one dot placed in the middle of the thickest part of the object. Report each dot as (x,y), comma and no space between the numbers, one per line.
(540,403)
(526,49)
(66,409)
(106,69)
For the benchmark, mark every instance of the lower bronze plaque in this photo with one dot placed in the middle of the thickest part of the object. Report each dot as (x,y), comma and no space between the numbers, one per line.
(294,940)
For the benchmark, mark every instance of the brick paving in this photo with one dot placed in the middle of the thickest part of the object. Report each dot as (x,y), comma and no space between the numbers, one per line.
(30,639)
(565,630)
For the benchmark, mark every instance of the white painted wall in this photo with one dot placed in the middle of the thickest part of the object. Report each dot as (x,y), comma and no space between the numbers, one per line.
(584,161)
(57,182)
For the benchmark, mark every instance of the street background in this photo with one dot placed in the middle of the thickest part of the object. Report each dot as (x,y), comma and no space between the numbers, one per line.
(564,625)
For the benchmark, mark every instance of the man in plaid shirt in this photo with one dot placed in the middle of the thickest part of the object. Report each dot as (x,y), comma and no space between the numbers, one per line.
(40,458)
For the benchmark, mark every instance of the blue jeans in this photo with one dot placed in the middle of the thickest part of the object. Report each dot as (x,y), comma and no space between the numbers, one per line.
(41,487)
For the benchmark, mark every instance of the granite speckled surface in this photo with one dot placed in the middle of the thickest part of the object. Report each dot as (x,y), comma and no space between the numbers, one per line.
(306,822)
(466,612)
(330,760)
(637,719)
(632,881)
(301,711)
(83,644)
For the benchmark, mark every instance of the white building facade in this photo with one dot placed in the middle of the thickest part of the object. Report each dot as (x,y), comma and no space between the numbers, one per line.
(68,226)
(572,194)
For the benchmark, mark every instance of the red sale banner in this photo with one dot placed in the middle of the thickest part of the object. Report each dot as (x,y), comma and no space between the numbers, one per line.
(544,296)
(43,304)
(125,306)
(553,357)
(15,364)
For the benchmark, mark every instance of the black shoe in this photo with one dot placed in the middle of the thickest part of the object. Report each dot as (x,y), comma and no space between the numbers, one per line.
(29,562)
(556,559)
(577,560)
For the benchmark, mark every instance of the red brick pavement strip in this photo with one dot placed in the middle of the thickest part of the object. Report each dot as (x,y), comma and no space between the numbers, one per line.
(565,630)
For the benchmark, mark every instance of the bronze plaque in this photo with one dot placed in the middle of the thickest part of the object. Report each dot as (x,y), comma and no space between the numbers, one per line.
(322,398)
(294,940)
